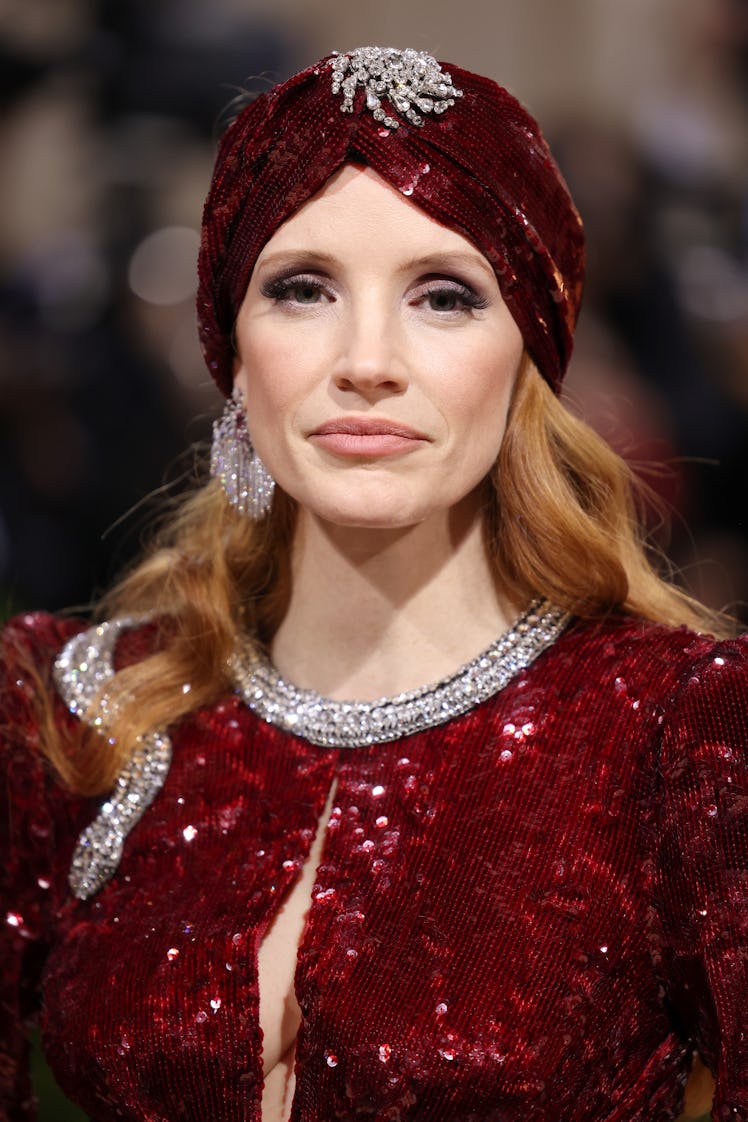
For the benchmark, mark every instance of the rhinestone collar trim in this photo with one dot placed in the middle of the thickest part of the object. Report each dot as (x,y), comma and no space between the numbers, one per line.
(407,80)
(354,724)
(86,664)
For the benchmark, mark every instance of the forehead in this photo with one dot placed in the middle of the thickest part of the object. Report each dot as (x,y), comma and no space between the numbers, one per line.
(356,206)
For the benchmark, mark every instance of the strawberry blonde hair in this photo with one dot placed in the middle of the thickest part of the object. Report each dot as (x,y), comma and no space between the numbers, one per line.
(560,520)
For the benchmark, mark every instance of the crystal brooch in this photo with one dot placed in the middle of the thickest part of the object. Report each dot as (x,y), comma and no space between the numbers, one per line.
(410,82)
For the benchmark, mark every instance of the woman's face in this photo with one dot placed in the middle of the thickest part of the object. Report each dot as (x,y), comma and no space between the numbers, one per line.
(376,356)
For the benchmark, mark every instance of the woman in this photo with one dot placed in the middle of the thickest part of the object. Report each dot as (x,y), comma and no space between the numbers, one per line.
(518,891)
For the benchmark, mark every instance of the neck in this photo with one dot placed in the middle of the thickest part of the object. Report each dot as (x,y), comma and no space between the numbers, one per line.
(376,612)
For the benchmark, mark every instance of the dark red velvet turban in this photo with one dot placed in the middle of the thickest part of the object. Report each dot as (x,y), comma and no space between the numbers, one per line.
(481,167)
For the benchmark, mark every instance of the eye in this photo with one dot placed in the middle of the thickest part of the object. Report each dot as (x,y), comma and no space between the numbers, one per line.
(303,291)
(449,297)
(444,300)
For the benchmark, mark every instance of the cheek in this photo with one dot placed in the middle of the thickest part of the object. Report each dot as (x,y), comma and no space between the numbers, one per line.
(483,389)
(266,377)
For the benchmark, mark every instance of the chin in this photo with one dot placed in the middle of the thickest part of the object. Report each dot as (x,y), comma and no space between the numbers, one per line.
(380,507)
(366,513)
(370,519)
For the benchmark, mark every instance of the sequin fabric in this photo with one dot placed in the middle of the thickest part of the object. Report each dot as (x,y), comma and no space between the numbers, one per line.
(533,911)
(86,664)
(482,167)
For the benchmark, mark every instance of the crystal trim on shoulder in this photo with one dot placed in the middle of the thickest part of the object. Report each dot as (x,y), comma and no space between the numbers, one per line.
(82,670)
(354,724)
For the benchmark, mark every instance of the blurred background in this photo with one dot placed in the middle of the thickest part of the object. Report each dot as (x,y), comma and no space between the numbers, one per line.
(110,110)
(108,118)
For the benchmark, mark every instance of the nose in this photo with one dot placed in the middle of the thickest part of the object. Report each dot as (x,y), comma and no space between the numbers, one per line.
(371,360)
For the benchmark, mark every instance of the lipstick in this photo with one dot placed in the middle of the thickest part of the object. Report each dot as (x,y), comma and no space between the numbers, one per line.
(367,436)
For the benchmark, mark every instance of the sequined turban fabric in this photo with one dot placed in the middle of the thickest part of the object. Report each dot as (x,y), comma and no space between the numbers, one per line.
(481,167)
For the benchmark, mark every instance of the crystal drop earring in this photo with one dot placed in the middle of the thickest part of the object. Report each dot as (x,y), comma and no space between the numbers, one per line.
(246,481)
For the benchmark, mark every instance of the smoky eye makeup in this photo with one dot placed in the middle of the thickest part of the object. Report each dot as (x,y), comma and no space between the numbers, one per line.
(306,281)
(447,294)
(294,287)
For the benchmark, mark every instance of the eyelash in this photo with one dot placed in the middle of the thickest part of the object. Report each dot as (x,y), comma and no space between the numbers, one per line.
(281,288)
(467,296)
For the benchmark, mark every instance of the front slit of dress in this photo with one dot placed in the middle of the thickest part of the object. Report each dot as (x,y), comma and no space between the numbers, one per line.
(314,858)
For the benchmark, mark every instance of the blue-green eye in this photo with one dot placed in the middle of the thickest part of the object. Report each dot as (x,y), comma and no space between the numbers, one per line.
(300,290)
(304,293)
(448,297)
(444,300)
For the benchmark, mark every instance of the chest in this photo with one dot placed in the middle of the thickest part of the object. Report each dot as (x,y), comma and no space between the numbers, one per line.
(476,910)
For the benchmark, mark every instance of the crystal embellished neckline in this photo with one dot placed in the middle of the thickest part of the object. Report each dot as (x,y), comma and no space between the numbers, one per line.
(86,664)
(354,724)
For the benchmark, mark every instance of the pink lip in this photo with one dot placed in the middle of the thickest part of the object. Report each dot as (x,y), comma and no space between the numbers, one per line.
(355,436)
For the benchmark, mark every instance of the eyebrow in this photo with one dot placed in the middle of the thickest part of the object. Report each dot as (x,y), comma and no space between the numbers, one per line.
(436,262)
(297,258)
(432,262)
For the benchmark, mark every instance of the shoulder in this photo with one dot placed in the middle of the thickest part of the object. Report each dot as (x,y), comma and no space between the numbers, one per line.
(695,685)
(30,704)
(29,645)
(37,647)
(50,666)
(35,637)
(638,655)
(710,706)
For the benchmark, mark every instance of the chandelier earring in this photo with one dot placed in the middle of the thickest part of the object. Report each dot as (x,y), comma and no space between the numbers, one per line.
(246,481)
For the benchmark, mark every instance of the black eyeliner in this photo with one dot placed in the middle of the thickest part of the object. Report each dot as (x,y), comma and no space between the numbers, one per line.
(275,288)
(464,292)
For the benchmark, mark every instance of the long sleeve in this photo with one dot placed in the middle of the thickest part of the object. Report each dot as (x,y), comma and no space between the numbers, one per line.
(37,829)
(703,868)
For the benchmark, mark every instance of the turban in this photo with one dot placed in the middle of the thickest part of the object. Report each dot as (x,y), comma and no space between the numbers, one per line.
(456,144)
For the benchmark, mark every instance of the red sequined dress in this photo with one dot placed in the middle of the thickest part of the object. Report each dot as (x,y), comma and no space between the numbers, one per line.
(533,910)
